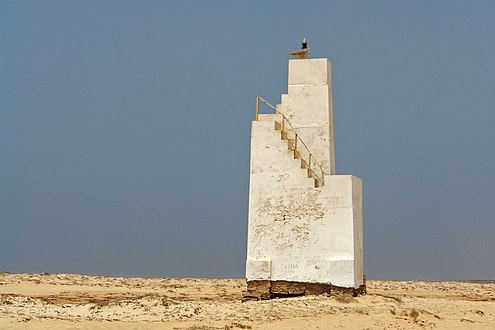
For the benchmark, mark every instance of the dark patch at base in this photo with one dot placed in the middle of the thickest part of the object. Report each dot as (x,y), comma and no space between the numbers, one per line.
(257,290)
(287,289)
(263,290)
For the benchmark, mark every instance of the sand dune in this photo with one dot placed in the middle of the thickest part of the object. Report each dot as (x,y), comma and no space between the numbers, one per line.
(70,301)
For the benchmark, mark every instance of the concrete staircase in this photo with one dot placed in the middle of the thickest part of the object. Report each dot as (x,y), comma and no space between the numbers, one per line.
(297,147)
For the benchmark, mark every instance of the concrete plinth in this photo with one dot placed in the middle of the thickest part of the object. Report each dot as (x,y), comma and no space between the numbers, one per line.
(264,290)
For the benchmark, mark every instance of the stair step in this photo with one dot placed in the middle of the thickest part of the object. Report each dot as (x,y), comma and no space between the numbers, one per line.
(270,117)
(291,143)
(284,99)
(291,134)
(287,135)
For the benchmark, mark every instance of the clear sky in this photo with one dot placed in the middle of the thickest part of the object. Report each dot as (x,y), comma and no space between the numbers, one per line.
(125,127)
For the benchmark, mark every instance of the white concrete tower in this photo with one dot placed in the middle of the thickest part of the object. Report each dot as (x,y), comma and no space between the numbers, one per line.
(305,227)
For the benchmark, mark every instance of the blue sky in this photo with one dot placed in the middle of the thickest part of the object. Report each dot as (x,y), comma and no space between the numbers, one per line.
(125,126)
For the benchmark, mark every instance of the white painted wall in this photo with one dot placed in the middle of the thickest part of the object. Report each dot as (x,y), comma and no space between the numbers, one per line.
(309,107)
(297,232)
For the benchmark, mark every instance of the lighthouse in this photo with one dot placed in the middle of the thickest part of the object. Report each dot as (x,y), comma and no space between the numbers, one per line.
(305,221)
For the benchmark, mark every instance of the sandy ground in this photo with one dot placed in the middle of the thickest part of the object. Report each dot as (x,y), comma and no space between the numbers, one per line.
(67,301)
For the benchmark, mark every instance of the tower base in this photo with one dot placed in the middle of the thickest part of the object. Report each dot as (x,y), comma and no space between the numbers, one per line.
(264,290)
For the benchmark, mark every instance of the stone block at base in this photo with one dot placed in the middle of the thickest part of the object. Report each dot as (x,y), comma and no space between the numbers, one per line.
(258,290)
(263,290)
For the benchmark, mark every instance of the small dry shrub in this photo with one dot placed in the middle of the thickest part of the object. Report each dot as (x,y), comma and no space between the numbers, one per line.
(414,313)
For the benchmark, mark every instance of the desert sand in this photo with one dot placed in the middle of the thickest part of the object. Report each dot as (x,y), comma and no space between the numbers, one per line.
(70,301)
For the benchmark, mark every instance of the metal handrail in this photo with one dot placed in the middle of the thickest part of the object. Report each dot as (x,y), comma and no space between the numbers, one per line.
(284,118)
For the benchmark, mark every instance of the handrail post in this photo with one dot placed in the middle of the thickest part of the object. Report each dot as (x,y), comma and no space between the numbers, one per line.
(309,163)
(295,147)
(257,107)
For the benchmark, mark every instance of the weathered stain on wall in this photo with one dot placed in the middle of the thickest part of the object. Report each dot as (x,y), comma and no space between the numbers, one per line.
(293,205)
